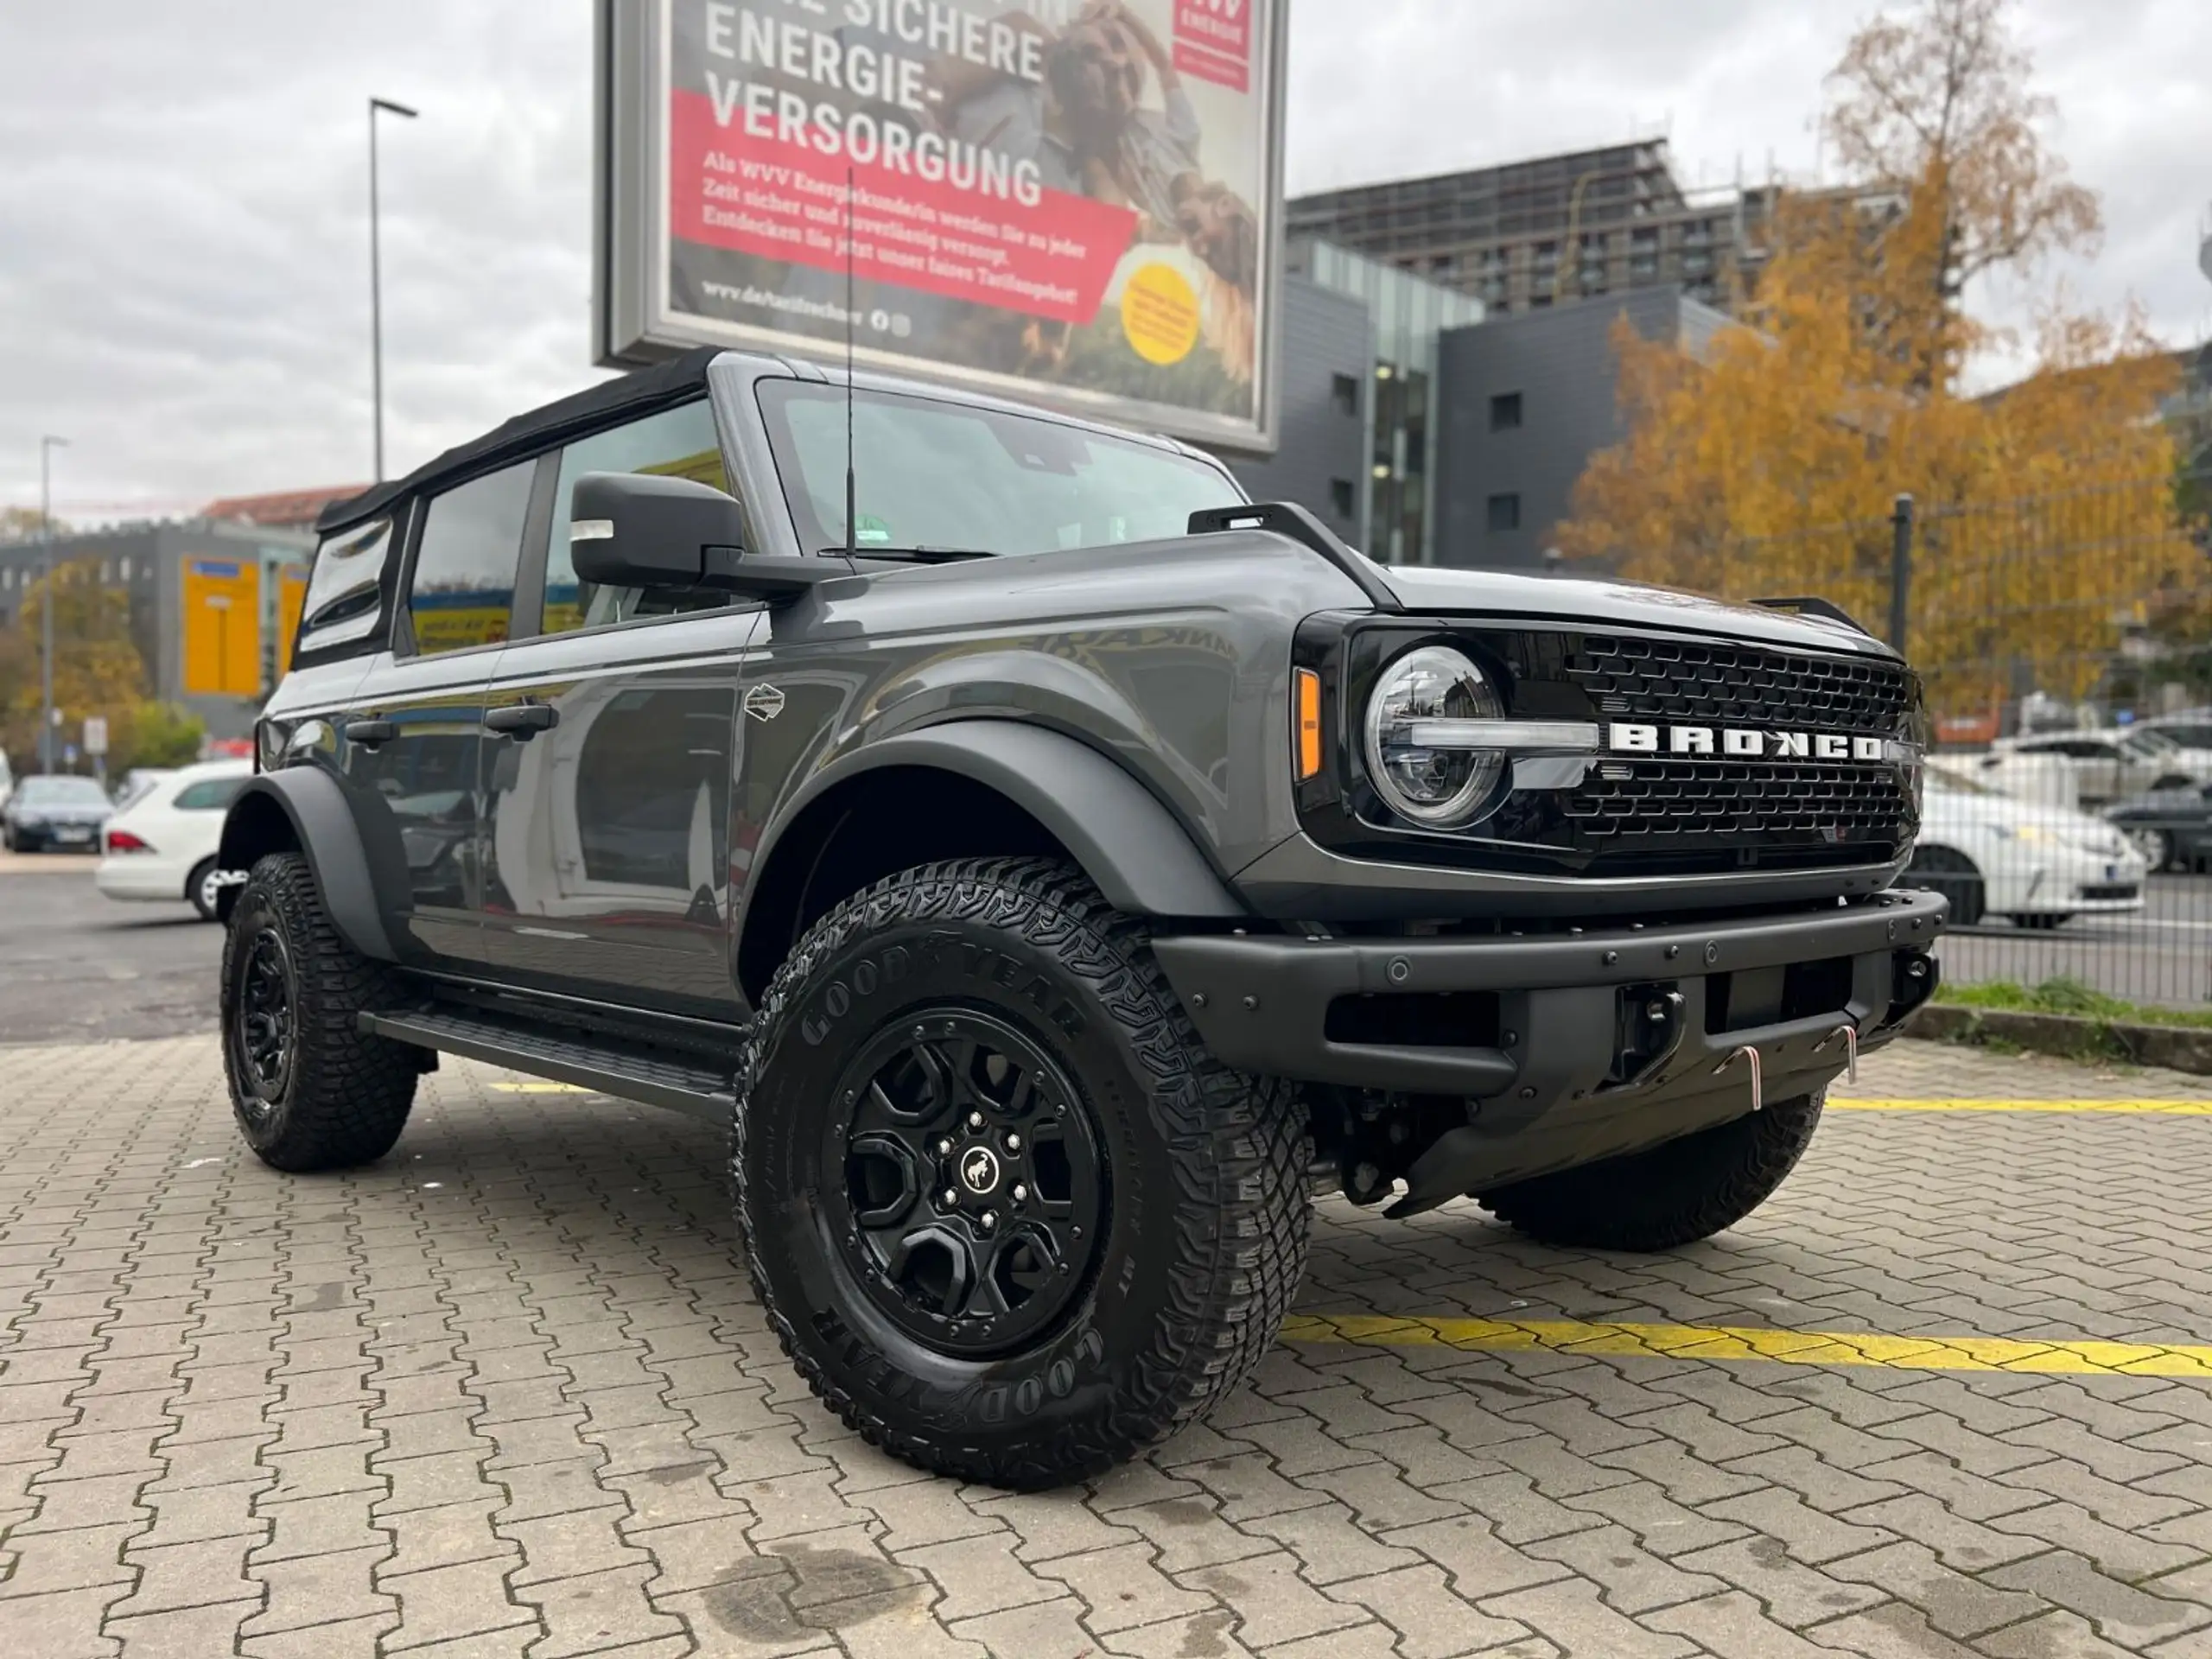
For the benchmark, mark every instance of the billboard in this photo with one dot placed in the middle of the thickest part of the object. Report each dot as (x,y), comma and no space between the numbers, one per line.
(221,624)
(1077,202)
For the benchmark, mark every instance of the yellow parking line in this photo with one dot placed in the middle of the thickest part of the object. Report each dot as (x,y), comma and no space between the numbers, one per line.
(2149,1107)
(538,1087)
(1963,1353)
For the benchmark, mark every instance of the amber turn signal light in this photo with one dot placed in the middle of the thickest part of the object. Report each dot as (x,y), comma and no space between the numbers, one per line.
(1306,711)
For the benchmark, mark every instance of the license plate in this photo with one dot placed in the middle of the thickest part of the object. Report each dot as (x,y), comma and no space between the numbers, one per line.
(72,835)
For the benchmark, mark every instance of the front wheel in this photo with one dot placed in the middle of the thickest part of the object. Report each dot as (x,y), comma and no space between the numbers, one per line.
(2039,921)
(1674,1194)
(2156,846)
(1009,1218)
(308,1090)
(1950,873)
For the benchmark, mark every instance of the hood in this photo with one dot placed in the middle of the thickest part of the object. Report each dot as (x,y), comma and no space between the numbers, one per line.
(1942,807)
(1426,588)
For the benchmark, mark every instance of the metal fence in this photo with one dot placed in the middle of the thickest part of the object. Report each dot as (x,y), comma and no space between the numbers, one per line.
(2066,643)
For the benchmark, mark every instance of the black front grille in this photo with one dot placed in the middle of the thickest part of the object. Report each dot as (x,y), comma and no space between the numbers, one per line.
(1709,681)
(1653,815)
(1623,814)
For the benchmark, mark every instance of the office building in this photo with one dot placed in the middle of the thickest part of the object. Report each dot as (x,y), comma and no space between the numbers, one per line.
(1529,235)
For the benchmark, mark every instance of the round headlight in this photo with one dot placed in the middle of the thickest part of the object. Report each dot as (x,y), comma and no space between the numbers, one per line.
(1438,788)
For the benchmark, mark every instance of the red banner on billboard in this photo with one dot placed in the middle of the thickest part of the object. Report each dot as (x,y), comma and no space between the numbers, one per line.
(786,201)
(1213,41)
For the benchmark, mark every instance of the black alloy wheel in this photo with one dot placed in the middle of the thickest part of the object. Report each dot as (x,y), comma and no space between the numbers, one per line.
(974,1188)
(1010,1219)
(262,1031)
(309,1090)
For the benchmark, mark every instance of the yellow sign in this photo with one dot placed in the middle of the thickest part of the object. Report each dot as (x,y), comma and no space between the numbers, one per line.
(1160,314)
(457,619)
(222,628)
(291,598)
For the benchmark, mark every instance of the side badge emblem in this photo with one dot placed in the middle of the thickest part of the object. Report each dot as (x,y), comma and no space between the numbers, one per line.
(764,702)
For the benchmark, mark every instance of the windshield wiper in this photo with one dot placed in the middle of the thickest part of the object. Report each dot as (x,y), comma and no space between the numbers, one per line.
(915,555)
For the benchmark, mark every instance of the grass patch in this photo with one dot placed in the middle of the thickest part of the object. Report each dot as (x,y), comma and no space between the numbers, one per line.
(2070,996)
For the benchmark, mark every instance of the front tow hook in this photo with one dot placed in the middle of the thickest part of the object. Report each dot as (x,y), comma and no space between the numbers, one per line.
(1746,1053)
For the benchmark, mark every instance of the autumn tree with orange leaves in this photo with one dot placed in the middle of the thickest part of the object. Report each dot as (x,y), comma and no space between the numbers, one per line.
(1767,464)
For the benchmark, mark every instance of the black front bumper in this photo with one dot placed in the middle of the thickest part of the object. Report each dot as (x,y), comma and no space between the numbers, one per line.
(1588,1042)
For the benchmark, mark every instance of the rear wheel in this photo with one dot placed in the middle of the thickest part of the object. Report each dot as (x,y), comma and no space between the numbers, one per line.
(1672,1195)
(1009,1218)
(204,886)
(308,1090)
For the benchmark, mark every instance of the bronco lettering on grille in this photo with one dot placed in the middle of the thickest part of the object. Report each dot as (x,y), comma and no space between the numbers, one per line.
(1630,737)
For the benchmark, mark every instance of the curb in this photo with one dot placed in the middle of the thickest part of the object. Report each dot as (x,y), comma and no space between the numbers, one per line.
(2177,1048)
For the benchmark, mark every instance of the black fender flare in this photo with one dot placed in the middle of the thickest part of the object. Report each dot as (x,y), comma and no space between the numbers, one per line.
(1139,853)
(313,804)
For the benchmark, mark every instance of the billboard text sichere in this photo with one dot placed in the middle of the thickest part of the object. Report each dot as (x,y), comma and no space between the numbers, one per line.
(1076,201)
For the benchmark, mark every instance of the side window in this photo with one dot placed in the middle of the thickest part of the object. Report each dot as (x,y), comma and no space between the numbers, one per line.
(463,593)
(344,596)
(677,442)
(212,796)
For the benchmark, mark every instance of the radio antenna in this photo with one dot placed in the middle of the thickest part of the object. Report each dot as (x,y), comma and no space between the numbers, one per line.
(852,493)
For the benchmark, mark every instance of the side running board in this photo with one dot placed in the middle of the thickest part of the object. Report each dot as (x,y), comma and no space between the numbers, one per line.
(654,1077)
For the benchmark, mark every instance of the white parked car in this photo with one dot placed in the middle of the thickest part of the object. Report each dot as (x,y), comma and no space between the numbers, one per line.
(1991,855)
(137,782)
(2105,765)
(162,844)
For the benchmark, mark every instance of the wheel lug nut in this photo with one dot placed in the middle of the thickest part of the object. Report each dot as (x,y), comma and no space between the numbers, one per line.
(1021,1193)
(944,1146)
(975,1119)
(1013,1142)
(951,1197)
(989,1220)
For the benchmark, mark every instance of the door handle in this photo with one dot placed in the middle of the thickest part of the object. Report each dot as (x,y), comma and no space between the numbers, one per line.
(523,720)
(371,733)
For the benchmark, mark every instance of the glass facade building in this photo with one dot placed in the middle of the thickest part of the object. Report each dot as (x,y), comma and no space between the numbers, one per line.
(1397,494)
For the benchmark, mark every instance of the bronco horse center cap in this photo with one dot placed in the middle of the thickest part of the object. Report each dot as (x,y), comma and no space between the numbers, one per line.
(979,1169)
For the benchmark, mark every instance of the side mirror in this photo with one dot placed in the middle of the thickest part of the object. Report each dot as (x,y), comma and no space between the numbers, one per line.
(640,529)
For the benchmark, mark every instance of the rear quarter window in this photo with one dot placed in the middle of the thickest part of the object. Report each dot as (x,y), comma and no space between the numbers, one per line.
(344,605)
(210,795)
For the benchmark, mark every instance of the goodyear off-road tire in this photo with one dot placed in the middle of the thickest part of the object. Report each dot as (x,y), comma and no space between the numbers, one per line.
(309,1090)
(1009,1218)
(1672,1195)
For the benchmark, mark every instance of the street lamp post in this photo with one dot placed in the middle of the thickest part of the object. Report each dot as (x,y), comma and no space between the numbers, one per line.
(376,276)
(47,446)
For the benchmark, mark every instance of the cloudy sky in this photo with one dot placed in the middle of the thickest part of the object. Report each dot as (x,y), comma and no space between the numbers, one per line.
(183,222)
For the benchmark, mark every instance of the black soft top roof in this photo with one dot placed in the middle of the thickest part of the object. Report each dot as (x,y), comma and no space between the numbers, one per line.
(676,381)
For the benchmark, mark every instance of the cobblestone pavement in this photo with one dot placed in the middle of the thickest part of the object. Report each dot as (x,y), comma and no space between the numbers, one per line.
(508,1393)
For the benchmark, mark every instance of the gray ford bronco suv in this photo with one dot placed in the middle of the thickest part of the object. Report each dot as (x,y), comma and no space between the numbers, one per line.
(1050,869)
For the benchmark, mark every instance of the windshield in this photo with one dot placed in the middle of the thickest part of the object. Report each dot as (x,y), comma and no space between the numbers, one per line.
(61,792)
(947,476)
(2150,744)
